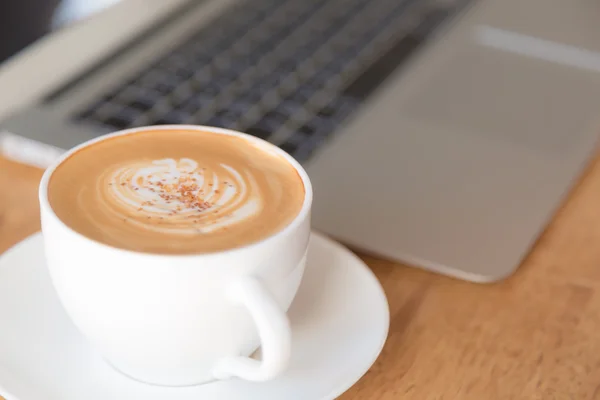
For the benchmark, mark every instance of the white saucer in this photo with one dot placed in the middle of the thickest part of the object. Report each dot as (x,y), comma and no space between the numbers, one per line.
(340,320)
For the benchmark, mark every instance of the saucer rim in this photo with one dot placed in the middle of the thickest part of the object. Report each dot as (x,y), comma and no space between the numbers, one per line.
(382,297)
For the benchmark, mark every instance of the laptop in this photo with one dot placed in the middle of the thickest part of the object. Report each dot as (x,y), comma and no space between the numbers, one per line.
(443,134)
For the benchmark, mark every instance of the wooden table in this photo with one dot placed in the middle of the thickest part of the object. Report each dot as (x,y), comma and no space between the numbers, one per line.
(534,336)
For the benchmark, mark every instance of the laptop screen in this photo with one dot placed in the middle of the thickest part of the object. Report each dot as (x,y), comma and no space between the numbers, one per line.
(70,11)
(25,21)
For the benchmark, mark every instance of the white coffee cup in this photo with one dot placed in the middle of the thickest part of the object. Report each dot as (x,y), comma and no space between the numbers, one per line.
(181,320)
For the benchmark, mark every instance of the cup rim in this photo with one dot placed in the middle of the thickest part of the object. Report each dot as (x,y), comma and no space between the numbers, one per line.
(304,212)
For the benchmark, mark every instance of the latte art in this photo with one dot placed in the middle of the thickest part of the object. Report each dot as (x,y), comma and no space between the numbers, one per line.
(176,191)
(180,196)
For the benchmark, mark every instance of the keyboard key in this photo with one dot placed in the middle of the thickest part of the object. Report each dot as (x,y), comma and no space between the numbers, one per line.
(307,130)
(259,131)
(326,112)
(122,120)
(165,87)
(141,103)
(289,147)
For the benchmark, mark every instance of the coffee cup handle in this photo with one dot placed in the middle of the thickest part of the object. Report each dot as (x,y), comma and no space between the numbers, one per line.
(273,329)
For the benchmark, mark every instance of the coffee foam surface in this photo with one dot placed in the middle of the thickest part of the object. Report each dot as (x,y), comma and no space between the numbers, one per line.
(187,198)
(176,192)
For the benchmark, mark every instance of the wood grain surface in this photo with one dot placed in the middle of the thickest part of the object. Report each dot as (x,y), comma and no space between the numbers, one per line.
(533,336)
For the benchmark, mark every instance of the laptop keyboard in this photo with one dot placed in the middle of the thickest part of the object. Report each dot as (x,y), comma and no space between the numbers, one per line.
(287,71)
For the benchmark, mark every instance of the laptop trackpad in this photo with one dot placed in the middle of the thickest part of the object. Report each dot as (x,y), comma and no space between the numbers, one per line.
(460,160)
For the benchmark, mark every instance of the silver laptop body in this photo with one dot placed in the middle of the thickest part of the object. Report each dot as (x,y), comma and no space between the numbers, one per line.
(454,162)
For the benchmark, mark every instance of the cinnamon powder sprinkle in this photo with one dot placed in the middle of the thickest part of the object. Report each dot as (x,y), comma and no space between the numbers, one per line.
(184,191)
